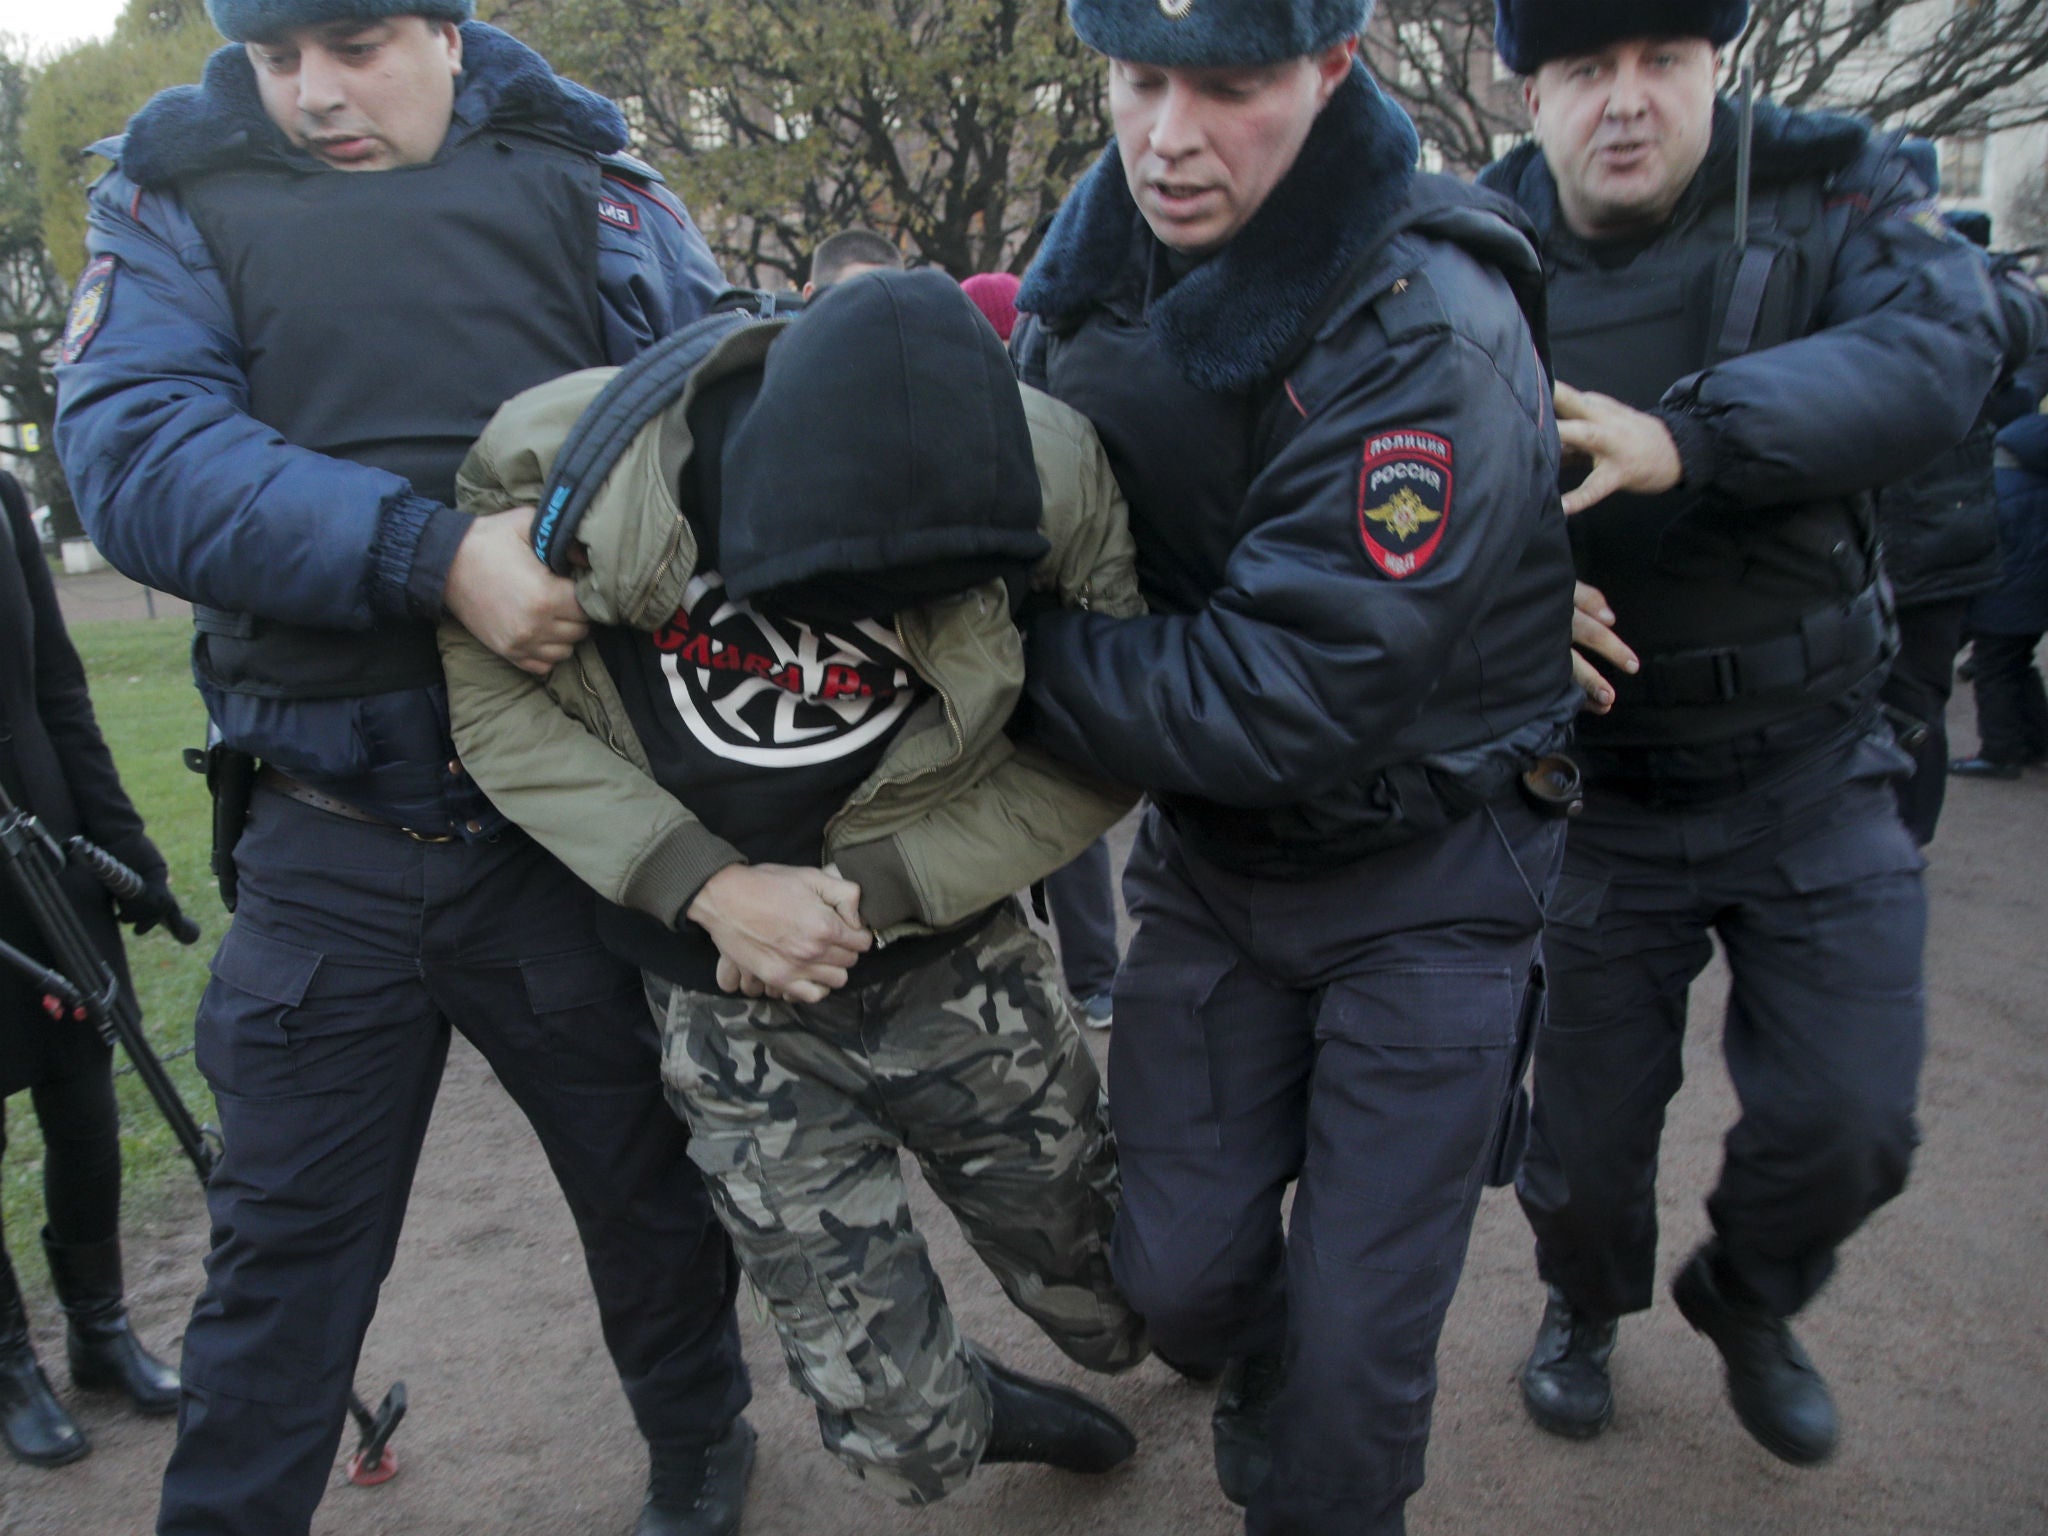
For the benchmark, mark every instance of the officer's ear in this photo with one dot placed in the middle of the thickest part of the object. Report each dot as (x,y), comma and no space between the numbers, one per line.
(1333,67)
(451,35)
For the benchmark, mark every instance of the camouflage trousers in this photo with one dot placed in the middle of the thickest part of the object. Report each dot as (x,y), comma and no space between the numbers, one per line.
(972,1063)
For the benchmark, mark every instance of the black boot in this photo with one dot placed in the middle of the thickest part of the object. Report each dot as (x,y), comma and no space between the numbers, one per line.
(1052,1426)
(37,1428)
(1201,1373)
(1244,1447)
(1983,768)
(698,1490)
(1777,1394)
(1565,1385)
(105,1354)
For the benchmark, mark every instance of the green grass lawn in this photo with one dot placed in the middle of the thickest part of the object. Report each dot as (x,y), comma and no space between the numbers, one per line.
(149,711)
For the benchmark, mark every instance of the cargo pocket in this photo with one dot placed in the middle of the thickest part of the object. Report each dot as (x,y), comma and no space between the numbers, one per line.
(243,1044)
(592,1014)
(1162,1054)
(1843,855)
(1413,1070)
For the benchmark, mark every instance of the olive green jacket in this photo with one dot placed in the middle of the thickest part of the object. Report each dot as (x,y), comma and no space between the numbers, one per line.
(954,817)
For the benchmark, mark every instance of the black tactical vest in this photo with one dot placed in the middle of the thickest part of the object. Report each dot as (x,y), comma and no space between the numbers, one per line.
(384,317)
(1742,618)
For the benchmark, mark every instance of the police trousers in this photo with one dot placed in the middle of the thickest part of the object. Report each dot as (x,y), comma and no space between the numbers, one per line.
(970,1062)
(1360,1035)
(323,1034)
(1813,887)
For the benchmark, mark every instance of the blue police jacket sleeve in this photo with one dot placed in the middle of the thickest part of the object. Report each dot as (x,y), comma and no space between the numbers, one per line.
(654,269)
(179,485)
(1908,347)
(1312,656)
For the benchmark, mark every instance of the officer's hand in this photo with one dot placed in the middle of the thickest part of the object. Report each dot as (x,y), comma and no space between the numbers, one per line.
(794,932)
(1631,450)
(506,598)
(1592,628)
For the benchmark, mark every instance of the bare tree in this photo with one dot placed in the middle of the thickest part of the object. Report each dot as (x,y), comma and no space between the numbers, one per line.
(32,304)
(955,126)
(1903,63)
(1935,67)
(1436,58)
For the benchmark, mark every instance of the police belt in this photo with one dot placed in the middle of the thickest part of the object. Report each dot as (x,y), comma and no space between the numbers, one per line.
(1825,644)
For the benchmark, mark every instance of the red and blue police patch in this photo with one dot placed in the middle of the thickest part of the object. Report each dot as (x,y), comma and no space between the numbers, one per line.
(1404,499)
(89,306)
(617,212)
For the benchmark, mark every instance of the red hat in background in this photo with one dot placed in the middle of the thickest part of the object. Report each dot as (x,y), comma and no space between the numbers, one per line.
(995,295)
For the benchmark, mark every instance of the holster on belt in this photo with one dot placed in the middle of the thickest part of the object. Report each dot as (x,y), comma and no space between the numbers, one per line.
(230,780)
(1511,1132)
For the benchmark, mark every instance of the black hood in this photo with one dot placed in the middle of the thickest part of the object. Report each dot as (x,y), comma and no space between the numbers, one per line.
(885,460)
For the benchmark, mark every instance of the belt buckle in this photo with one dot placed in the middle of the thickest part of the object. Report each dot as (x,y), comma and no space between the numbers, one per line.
(428,837)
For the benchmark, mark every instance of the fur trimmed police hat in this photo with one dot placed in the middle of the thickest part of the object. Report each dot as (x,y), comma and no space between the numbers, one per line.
(1201,33)
(246,21)
(1530,33)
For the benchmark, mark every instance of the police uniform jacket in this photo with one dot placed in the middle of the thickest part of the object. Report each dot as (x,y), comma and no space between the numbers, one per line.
(55,765)
(1940,526)
(1335,435)
(1840,344)
(953,817)
(2018,605)
(273,369)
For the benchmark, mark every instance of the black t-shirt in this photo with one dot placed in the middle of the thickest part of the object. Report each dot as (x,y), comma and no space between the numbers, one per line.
(762,727)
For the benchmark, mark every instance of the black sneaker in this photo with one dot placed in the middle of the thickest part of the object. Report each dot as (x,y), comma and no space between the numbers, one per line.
(698,1490)
(1244,1446)
(1565,1385)
(1777,1394)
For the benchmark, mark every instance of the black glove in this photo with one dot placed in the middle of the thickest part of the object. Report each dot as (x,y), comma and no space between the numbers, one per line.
(155,904)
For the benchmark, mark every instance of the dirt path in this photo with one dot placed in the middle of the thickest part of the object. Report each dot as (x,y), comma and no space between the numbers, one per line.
(1934,1335)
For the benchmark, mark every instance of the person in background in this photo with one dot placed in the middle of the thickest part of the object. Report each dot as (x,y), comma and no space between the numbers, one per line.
(848,254)
(55,766)
(2006,624)
(995,295)
(1939,527)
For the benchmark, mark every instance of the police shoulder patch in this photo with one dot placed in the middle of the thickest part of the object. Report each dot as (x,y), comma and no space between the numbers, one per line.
(618,212)
(1404,499)
(89,307)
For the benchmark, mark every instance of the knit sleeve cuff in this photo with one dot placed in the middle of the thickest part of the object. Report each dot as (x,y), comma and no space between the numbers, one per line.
(887,894)
(672,871)
(415,545)
(1698,453)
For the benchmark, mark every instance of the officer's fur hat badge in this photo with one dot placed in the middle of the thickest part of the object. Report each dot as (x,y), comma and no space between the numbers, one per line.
(1530,33)
(1199,33)
(246,21)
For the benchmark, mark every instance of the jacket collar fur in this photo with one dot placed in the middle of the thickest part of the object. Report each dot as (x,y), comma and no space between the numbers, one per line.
(221,122)
(1788,147)
(1227,321)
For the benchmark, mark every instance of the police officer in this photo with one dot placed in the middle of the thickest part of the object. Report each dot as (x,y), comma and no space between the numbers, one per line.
(313,277)
(1736,389)
(1939,528)
(1313,374)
